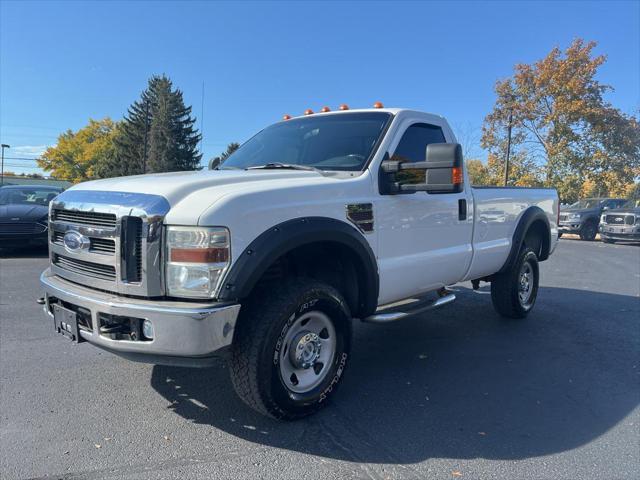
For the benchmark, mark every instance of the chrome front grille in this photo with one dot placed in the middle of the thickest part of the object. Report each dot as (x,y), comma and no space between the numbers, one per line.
(117,244)
(89,269)
(93,219)
(106,246)
(620,219)
(563,217)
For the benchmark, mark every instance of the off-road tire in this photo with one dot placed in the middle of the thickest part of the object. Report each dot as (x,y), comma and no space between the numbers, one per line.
(588,231)
(505,287)
(258,338)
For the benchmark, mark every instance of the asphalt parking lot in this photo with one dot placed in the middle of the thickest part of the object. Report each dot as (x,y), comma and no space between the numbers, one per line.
(456,393)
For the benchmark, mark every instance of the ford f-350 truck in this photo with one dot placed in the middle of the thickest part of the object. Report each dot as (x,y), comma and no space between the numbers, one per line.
(270,256)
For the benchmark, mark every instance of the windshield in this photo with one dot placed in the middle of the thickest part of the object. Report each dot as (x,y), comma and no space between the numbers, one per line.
(27,195)
(329,142)
(633,203)
(587,203)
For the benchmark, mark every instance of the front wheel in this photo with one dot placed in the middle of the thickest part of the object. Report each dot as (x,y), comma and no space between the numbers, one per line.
(588,231)
(514,292)
(291,348)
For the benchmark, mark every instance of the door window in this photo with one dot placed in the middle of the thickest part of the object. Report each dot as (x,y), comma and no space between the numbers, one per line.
(413,148)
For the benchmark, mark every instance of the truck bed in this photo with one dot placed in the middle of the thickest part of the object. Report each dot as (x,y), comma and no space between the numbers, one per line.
(496,212)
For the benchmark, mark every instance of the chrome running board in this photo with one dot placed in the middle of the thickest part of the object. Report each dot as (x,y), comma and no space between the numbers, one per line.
(398,315)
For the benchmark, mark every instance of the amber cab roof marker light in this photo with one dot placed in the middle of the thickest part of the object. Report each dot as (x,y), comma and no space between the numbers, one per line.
(325,109)
(344,106)
(308,111)
(378,105)
(286,117)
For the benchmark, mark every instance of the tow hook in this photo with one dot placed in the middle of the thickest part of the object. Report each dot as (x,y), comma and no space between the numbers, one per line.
(40,301)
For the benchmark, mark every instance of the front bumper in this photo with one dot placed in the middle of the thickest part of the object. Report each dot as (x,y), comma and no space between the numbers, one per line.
(185,333)
(628,233)
(569,227)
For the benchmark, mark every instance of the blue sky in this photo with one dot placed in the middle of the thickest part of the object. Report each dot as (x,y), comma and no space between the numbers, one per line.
(63,63)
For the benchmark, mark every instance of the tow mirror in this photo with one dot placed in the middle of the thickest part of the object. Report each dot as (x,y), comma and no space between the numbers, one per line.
(443,172)
(214,163)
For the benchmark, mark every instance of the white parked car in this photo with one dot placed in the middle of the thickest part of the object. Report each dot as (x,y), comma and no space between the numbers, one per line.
(311,224)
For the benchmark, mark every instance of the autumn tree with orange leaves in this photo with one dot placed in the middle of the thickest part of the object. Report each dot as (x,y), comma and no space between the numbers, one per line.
(564,133)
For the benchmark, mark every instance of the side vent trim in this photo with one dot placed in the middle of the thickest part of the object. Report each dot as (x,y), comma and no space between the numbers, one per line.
(361,215)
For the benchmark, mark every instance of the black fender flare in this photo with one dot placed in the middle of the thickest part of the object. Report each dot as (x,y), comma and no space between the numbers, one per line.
(531,215)
(283,238)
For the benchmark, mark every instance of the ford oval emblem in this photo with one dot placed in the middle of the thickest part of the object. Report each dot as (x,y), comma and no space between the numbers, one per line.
(75,242)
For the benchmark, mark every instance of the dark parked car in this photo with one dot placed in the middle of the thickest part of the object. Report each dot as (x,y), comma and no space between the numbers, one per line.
(622,224)
(23,214)
(583,216)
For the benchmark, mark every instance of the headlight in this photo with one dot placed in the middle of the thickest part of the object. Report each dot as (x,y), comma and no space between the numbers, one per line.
(197,259)
(602,219)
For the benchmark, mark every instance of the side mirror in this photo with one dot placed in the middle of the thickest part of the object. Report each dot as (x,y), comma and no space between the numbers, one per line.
(605,208)
(443,171)
(214,163)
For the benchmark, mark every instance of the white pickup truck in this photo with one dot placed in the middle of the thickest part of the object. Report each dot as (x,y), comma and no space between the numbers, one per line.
(269,257)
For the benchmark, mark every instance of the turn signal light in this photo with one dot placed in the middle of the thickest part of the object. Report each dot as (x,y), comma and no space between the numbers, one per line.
(325,109)
(456,175)
(378,105)
(308,111)
(286,117)
(200,255)
(344,106)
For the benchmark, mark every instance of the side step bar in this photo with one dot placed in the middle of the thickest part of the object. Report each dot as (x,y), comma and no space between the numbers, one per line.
(393,316)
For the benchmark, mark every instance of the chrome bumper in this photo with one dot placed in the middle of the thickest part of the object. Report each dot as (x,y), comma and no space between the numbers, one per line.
(182,329)
(620,232)
(573,227)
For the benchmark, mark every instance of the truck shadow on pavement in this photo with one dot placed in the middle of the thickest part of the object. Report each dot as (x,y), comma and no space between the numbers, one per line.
(458,383)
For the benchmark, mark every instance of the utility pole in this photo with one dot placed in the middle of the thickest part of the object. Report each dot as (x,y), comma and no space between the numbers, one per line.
(4,145)
(506,166)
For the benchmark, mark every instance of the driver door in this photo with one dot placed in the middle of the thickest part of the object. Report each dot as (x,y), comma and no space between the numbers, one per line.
(424,239)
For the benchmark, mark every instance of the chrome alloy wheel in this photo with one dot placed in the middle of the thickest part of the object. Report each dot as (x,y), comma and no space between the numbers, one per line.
(525,284)
(308,350)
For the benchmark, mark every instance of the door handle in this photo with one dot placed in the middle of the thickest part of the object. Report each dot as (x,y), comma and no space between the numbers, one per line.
(462,209)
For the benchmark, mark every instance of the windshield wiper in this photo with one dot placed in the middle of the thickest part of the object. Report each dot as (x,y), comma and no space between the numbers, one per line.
(291,166)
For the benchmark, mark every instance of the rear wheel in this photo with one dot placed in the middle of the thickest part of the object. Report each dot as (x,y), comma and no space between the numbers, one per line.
(514,292)
(588,231)
(290,349)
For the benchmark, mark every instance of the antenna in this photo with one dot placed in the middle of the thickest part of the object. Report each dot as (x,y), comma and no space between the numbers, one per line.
(202,117)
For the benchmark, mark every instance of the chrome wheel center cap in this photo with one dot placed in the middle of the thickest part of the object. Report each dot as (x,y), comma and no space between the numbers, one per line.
(305,349)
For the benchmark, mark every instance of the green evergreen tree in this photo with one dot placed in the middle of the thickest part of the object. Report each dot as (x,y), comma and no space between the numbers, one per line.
(232,147)
(158,133)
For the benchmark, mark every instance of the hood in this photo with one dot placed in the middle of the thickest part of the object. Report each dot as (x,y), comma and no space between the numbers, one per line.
(191,193)
(20,212)
(622,211)
(175,186)
(580,210)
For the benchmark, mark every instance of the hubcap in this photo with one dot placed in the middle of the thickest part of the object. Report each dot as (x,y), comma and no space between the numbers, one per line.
(526,282)
(307,352)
